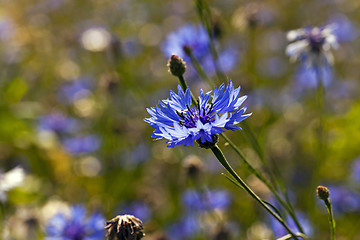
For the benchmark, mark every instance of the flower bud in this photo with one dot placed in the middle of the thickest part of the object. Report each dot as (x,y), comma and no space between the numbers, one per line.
(176,65)
(124,227)
(323,192)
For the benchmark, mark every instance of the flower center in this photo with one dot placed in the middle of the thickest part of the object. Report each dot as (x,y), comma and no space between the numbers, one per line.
(74,232)
(189,117)
(316,39)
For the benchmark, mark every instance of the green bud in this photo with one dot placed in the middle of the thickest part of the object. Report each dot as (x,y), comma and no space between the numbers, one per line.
(176,65)
(323,192)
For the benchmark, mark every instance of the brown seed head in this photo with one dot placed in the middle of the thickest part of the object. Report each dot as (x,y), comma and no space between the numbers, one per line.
(193,167)
(323,192)
(124,227)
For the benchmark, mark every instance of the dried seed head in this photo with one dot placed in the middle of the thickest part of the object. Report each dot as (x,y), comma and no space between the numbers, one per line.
(193,167)
(323,192)
(124,227)
(176,65)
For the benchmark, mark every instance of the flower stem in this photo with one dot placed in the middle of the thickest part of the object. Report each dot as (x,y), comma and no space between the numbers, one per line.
(320,99)
(199,69)
(331,218)
(184,87)
(220,156)
(288,207)
(205,17)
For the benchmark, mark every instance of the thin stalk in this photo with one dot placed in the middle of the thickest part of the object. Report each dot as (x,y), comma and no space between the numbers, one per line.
(184,87)
(331,218)
(287,237)
(199,69)
(220,156)
(253,141)
(286,205)
(320,100)
(204,14)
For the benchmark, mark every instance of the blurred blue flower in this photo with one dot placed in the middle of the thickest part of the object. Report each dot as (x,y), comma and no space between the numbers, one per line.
(81,144)
(312,45)
(307,78)
(196,39)
(139,209)
(75,226)
(187,227)
(227,60)
(205,201)
(345,31)
(6,29)
(133,157)
(280,231)
(193,37)
(180,123)
(344,200)
(355,170)
(58,123)
(74,90)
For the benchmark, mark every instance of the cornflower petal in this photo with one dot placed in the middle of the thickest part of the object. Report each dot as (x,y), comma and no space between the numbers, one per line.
(181,123)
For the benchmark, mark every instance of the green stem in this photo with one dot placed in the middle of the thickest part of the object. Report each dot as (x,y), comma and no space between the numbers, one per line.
(320,100)
(199,69)
(184,87)
(205,17)
(287,237)
(220,156)
(288,207)
(331,218)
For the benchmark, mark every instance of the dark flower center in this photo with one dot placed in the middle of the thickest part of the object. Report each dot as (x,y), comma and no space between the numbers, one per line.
(74,232)
(316,40)
(189,117)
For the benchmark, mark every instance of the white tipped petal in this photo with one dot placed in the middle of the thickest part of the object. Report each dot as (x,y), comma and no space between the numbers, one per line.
(296,48)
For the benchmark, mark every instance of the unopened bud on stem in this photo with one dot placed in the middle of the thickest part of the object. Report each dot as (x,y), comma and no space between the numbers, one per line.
(323,192)
(176,65)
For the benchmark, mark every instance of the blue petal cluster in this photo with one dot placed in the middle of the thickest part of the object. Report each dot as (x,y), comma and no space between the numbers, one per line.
(190,36)
(196,39)
(76,226)
(182,123)
(206,201)
(81,144)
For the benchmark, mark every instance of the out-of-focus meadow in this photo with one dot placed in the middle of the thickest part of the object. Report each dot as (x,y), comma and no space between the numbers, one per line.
(76,78)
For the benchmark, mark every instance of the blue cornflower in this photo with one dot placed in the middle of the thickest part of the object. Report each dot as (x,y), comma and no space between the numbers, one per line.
(312,44)
(188,36)
(355,170)
(195,39)
(72,91)
(209,200)
(139,209)
(344,200)
(75,226)
(180,123)
(57,122)
(307,78)
(82,144)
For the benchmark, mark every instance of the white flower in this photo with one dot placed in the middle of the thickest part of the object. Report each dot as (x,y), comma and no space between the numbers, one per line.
(312,44)
(10,180)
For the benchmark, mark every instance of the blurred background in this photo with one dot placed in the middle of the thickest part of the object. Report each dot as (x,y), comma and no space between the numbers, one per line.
(76,78)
